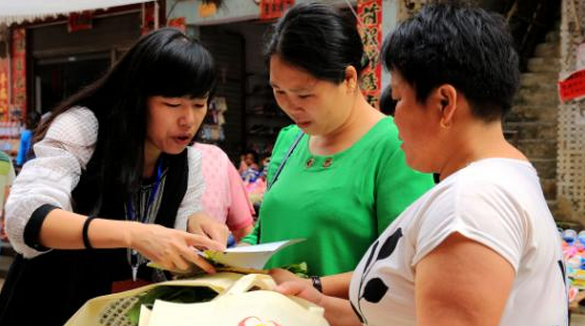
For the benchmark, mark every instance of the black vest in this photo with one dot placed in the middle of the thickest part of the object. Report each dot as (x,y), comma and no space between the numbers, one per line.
(48,289)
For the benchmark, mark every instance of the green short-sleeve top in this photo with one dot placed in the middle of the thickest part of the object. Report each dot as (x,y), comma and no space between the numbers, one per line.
(340,203)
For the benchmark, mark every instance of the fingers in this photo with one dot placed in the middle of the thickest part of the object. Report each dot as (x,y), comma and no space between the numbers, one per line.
(302,290)
(192,256)
(181,258)
(200,223)
(280,275)
(290,288)
(166,264)
(180,264)
(195,228)
(173,249)
(200,241)
(216,231)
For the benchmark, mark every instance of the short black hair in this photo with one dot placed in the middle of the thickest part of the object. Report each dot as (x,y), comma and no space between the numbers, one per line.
(387,104)
(454,43)
(318,39)
(254,155)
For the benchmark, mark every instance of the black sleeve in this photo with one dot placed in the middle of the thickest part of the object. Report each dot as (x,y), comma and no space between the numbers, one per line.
(33,227)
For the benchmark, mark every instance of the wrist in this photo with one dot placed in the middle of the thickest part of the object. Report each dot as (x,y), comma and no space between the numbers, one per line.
(85,232)
(316,282)
(129,236)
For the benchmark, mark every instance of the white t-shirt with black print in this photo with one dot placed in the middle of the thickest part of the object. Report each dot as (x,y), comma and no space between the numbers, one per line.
(496,202)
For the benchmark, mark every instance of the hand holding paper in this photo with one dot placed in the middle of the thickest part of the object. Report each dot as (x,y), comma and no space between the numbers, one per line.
(254,257)
(246,259)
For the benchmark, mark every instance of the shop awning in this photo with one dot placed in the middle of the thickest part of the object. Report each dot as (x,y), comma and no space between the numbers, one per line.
(18,11)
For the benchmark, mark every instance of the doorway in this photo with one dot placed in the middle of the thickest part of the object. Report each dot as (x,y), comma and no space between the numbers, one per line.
(58,78)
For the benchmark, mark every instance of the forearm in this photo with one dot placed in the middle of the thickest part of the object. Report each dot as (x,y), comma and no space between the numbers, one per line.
(338,312)
(337,285)
(63,230)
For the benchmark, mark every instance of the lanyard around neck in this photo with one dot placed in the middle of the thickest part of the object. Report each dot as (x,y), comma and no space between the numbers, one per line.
(131,213)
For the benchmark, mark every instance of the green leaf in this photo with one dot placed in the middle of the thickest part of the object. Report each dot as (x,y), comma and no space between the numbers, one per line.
(300,269)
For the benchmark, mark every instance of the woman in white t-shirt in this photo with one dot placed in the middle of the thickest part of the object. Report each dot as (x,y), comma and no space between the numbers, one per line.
(480,248)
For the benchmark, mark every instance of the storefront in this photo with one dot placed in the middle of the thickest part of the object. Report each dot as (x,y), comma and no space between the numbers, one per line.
(62,62)
(51,53)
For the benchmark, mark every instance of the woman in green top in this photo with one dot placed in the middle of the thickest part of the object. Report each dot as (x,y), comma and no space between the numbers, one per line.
(347,178)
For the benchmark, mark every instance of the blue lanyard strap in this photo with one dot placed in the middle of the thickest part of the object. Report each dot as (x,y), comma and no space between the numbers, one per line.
(133,259)
(130,207)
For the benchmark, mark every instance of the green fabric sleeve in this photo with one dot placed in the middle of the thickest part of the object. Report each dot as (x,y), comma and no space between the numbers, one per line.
(398,186)
(252,237)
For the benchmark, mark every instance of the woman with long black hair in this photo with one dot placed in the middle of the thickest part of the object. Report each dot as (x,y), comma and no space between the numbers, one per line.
(114,183)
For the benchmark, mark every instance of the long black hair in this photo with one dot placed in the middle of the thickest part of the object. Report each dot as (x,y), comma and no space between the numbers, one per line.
(318,39)
(166,63)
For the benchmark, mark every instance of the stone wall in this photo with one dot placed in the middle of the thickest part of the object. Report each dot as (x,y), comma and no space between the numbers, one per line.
(532,123)
(571,135)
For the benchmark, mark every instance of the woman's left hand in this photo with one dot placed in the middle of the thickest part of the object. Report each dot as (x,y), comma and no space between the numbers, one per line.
(290,284)
(302,289)
(200,223)
(337,311)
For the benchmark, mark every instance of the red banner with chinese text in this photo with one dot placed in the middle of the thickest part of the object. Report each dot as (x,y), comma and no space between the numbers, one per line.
(79,21)
(370,15)
(4,84)
(573,87)
(19,70)
(272,9)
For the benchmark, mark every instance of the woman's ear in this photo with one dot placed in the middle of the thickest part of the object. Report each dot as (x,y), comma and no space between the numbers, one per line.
(447,95)
(351,78)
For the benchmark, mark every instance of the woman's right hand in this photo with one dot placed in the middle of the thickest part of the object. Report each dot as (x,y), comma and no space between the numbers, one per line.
(172,249)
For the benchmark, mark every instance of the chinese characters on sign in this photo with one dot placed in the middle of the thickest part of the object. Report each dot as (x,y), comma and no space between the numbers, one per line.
(573,88)
(272,9)
(18,70)
(370,14)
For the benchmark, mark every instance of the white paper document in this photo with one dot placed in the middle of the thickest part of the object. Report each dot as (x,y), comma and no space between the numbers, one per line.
(254,257)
